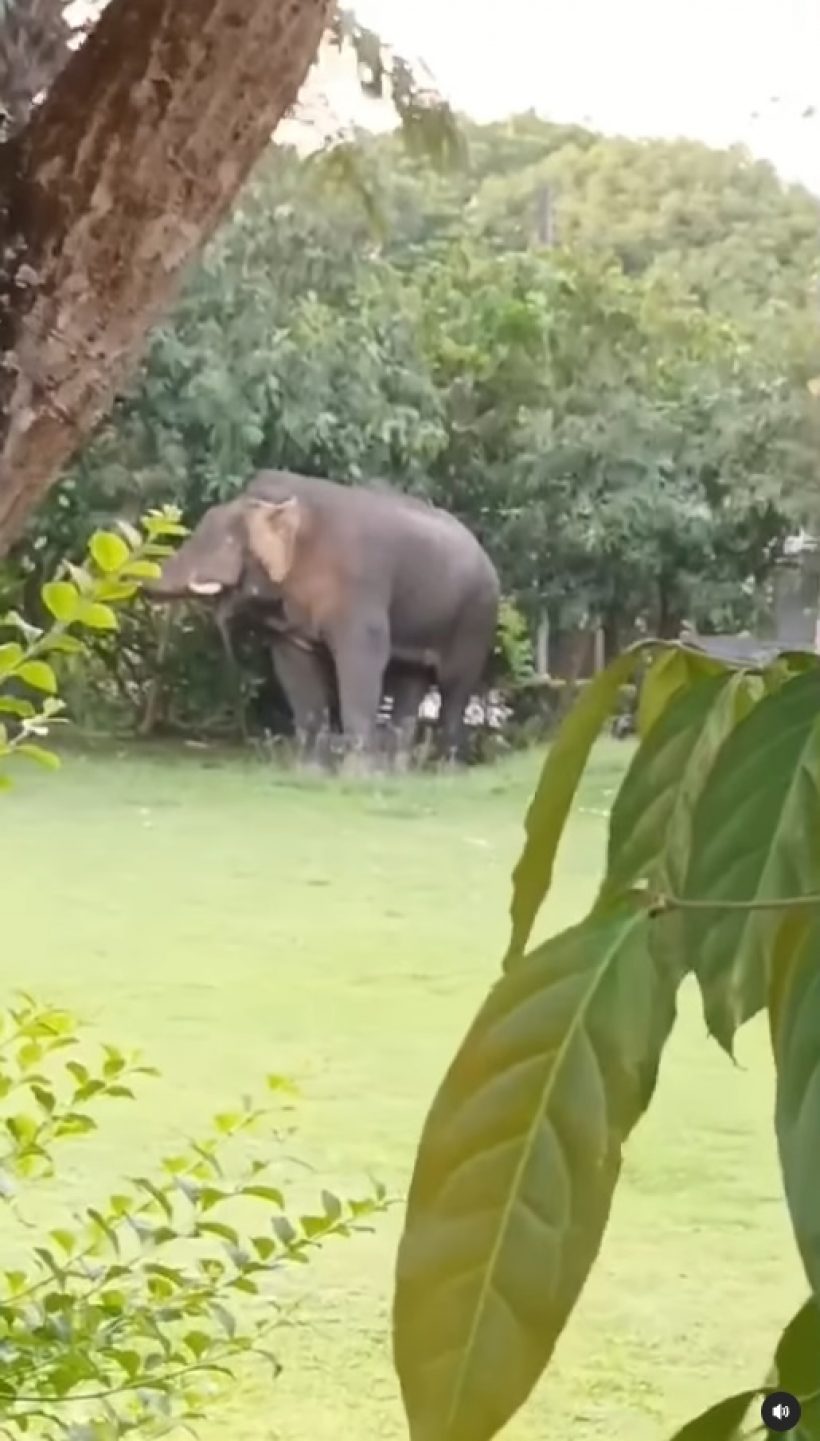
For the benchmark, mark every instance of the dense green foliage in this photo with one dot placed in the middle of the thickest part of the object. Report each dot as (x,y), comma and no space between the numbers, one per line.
(624,419)
(713,871)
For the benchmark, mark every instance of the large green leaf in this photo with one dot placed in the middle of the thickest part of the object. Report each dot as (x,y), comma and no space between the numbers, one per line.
(795,1025)
(516,1169)
(640,820)
(554,794)
(733,703)
(650,826)
(786,665)
(797,1358)
(674,670)
(755,838)
(796,1370)
(721,1422)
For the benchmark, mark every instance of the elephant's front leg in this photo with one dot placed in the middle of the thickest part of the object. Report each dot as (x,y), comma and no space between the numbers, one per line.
(361,653)
(304,680)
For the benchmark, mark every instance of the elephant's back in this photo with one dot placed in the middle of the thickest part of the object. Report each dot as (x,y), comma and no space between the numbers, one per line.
(372,505)
(372,497)
(381,518)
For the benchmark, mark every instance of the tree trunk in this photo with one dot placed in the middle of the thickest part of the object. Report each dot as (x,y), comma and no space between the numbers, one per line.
(611,625)
(542,643)
(114,184)
(669,615)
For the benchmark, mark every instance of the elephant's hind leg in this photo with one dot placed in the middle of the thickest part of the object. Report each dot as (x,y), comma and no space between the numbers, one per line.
(409,688)
(462,674)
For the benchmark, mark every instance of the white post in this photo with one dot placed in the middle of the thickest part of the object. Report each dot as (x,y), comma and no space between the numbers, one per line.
(599,651)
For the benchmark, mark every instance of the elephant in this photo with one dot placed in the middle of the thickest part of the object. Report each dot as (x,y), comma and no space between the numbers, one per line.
(359,589)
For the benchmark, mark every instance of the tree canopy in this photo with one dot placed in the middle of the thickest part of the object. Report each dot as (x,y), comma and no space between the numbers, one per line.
(628,446)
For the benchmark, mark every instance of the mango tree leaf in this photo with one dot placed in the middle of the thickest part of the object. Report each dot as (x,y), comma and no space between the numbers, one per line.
(640,816)
(39,675)
(671,671)
(787,665)
(721,1422)
(735,700)
(808,1427)
(795,1026)
(108,550)
(554,793)
(797,1358)
(755,837)
(516,1169)
(796,1370)
(650,825)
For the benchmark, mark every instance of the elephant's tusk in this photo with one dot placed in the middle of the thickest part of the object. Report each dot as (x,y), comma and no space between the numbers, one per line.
(205,587)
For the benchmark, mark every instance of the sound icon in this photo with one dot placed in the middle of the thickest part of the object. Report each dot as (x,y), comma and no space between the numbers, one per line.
(780,1411)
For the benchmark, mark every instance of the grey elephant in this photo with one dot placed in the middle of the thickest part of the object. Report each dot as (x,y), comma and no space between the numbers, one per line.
(351,583)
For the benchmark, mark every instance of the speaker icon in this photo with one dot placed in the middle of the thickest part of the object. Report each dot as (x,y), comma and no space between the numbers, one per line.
(780,1411)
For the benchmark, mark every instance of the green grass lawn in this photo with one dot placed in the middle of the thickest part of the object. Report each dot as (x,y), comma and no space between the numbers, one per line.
(231,921)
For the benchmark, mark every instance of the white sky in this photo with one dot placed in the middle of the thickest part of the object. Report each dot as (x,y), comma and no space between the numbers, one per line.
(639,67)
(710,69)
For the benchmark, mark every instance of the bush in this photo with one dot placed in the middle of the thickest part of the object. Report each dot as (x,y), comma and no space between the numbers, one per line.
(79,599)
(513,650)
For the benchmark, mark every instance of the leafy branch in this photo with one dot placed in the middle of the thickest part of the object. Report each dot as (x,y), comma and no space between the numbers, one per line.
(81,598)
(712,870)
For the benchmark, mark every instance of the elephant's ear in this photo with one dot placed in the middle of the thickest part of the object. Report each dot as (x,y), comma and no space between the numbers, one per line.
(272,532)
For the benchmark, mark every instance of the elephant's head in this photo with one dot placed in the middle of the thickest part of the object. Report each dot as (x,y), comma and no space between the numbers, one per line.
(242,550)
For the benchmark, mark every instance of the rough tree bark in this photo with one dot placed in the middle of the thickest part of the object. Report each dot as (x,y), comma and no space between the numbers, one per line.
(114,184)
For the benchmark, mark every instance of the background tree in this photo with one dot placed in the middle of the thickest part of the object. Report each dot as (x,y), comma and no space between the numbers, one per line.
(631,446)
(631,455)
(115,179)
